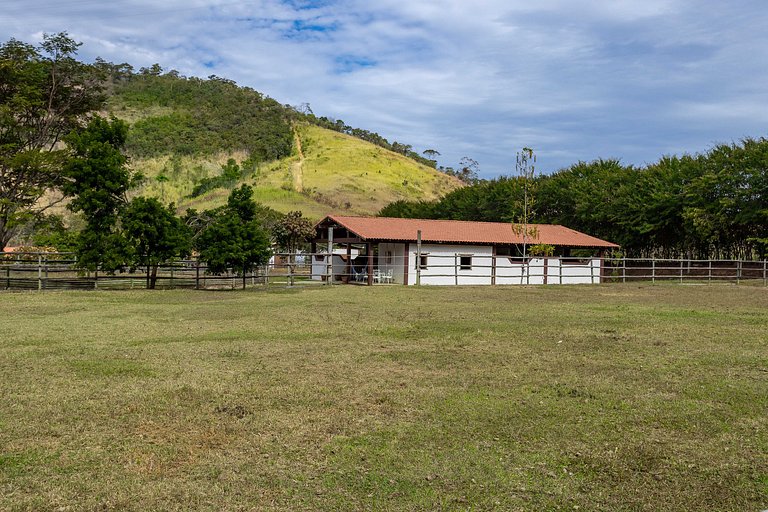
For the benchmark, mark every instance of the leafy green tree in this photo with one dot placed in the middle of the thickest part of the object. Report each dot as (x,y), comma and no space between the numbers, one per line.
(234,237)
(97,180)
(291,233)
(155,233)
(44,94)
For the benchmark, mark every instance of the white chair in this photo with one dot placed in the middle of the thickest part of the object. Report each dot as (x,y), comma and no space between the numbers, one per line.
(376,276)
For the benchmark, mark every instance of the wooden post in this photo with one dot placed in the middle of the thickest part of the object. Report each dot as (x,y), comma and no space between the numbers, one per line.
(197,274)
(560,270)
(45,281)
(546,270)
(405,263)
(329,258)
(418,257)
(493,266)
(623,270)
(456,269)
(369,248)
(653,270)
(592,271)
(348,266)
(738,271)
(709,273)
(681,271)
(96,279)
(39,272)
(765,279)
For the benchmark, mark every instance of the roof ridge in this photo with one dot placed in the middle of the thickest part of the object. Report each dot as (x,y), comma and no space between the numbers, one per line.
(447,220)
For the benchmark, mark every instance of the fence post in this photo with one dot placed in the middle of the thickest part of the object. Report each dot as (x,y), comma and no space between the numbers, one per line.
(329,258)
(681,271)
(738,272)
(96,279)
(418,257)
(624,270)
(39,272)
(560,270)
(456,269)
(765,280)
(197,274)
(653,270)
(709,273)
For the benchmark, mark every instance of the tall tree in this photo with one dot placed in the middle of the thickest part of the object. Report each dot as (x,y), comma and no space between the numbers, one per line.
(234,237)
(44,94)
(155,233)
(98,179)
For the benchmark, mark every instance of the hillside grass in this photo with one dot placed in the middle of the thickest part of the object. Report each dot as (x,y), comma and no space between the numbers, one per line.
(614,397)
(339,174)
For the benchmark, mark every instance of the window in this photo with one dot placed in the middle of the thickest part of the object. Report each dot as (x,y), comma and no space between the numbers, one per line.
(388,258)
(465,262)
(423,261)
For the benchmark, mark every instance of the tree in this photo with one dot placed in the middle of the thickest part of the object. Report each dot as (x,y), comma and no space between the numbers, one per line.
(468,170)
(44,94)
(234,237)
(155,233)
(98,179)
(290,233)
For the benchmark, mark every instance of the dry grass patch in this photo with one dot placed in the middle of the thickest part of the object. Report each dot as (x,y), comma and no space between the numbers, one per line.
(353,398)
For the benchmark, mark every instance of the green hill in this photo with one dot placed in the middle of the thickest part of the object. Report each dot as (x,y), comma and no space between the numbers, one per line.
(185,130)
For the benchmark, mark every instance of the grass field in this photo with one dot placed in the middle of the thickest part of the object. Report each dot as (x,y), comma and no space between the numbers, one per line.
(614,397)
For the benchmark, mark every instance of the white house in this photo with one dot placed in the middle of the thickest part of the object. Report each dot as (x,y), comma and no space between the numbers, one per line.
(447,252)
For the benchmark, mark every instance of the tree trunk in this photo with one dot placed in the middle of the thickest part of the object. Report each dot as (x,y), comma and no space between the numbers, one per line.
(153,279)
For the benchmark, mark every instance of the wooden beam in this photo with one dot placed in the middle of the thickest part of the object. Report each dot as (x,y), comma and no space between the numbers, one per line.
(405,263)
(369,247)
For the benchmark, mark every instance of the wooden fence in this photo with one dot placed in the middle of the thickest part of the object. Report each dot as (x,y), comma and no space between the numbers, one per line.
(57,271)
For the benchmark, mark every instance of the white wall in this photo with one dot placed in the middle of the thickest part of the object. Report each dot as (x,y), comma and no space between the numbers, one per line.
(442,264)
(392,257)
(441,268)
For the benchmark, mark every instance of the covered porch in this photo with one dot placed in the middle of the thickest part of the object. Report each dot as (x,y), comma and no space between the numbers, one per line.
(343,256)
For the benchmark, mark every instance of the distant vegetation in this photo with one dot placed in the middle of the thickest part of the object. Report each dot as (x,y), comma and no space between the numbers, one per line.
(198,116)
(709,205)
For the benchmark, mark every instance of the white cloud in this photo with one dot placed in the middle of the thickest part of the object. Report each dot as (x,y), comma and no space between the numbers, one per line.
(574,80)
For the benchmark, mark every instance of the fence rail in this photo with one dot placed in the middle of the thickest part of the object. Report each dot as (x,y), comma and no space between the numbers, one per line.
(58,271)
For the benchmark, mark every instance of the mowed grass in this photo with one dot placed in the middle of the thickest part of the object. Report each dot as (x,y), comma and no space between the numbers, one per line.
(617,397)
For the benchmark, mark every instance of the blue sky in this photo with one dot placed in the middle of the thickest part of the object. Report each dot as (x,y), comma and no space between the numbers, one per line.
(574,80)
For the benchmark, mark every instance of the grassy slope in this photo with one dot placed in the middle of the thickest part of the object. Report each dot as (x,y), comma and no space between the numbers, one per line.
(620,397)
(340,173)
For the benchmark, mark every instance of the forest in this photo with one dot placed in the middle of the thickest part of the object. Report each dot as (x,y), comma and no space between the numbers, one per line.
(709,205)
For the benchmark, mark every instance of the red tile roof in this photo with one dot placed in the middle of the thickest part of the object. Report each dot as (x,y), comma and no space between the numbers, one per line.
(464,232)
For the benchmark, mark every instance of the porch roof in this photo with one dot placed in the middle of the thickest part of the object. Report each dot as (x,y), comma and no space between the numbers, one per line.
(463,232)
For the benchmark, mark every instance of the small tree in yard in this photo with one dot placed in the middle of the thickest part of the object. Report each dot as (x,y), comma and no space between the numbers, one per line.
(290,233)
(156,234)
(234,237)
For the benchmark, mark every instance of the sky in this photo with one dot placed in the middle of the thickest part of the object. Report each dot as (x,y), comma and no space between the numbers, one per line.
(575,80)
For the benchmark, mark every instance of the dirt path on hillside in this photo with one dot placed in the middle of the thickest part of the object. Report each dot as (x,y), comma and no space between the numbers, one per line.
(297,167)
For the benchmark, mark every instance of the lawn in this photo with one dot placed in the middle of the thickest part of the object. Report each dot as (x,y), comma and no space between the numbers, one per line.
(613,397)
